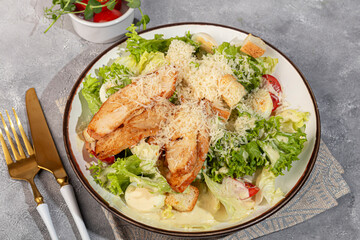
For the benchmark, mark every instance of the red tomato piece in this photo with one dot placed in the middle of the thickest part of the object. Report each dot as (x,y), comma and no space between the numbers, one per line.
(275,101)
(81,7)
(273,82)
(109,160)
(102,3)
(117,6)
(106,16)
(252,189)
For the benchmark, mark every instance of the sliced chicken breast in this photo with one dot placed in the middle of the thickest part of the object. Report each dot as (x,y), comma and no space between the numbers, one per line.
(186,151)
(133,130)
(123,104)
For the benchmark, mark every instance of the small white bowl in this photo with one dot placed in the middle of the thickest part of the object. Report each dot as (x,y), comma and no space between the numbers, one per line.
(104,32)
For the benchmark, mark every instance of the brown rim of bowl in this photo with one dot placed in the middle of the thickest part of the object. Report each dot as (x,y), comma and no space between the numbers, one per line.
(214,233)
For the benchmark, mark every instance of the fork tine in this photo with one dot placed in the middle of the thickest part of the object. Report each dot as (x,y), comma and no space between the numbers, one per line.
(16,154)
(28,146)
(8,158)
(20,149)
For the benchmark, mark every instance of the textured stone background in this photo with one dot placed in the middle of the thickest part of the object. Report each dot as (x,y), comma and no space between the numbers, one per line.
(320,37)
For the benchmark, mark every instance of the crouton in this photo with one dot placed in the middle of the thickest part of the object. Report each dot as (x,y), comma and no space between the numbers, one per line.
(231,90)
(253,46)
(183,202)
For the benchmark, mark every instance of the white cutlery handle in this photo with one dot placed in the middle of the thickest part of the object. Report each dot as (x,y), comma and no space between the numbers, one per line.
(68,194)
(43,210)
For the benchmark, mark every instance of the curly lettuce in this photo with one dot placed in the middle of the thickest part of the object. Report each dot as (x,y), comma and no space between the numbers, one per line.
(266,145)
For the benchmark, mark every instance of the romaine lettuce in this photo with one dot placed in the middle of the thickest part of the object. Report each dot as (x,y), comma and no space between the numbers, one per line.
(90,91)
(137,45)
(149,62)
(292,120)
(235,208)
(266,182)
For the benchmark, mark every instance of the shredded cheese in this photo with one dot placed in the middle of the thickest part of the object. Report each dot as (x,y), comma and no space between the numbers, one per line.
(198,79)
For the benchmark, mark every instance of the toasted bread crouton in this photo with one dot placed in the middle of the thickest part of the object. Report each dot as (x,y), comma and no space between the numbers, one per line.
(231,90)
(253,46)
(183,202)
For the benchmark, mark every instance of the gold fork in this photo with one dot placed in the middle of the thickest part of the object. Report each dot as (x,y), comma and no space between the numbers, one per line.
(24,168)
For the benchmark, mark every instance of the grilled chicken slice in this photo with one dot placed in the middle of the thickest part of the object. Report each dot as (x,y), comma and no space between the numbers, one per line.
(179,182)
(188,146)
(181,154)
(133,130)
(123,104)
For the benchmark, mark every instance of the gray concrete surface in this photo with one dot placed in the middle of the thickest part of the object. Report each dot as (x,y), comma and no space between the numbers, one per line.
(320,36)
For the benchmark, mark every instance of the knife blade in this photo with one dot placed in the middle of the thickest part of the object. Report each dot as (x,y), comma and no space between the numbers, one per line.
(46,153)
(48,157)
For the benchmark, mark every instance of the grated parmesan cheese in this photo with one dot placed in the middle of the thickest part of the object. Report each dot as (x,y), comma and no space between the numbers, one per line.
(198,79)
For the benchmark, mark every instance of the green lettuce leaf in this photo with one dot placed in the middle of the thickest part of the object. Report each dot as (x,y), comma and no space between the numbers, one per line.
(266,182)
(118,176)
(90,91)
(117,74)
(149,62)
(137,45)
(292,120)
(235,208)
(265,145)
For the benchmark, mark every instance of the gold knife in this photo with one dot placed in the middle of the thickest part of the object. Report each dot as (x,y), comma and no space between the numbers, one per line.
(48,158)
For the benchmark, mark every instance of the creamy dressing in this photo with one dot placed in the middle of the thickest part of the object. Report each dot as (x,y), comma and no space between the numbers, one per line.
(197,218)
(143,200)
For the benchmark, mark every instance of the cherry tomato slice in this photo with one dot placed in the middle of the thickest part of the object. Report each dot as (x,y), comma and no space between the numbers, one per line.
(109,160)
(273,82)
(106,16)
(81,7)
(275,101)
(252,189)
(117,6)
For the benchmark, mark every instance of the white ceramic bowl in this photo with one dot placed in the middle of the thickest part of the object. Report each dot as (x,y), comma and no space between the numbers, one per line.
(104,32)
(298,95)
